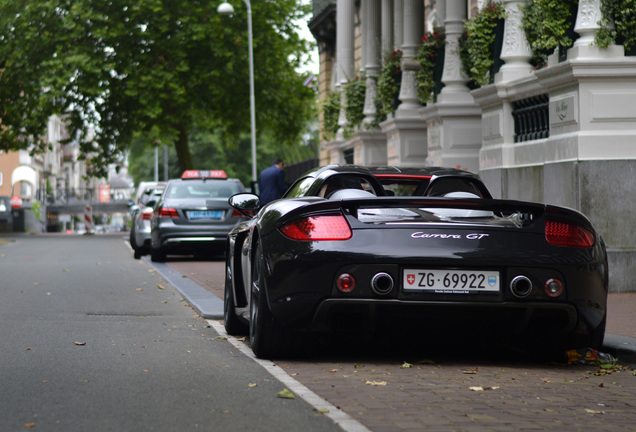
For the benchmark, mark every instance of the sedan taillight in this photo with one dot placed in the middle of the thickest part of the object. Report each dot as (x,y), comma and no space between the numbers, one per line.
(315,228)
(165,212)
(146,214)
(559,233)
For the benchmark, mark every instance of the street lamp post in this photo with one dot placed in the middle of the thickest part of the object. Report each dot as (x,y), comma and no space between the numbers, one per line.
(227,9)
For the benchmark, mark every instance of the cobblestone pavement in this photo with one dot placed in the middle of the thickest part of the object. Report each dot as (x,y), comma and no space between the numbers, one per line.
(389,389)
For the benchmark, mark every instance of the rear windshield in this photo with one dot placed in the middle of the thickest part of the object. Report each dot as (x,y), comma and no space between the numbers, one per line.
(202,189)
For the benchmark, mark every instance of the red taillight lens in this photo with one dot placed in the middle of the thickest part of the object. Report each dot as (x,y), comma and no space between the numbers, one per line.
(146,214)
(316,228)
(567,234)
(165,212)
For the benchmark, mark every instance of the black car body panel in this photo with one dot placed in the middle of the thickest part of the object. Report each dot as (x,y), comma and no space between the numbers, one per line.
(411,260)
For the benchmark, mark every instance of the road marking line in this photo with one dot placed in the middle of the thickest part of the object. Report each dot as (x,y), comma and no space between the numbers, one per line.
(342,419)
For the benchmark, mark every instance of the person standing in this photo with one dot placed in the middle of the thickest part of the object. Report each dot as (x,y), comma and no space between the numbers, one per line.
(272,182)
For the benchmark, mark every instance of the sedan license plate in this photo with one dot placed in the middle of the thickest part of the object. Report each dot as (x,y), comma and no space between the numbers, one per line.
(451,281)
(205,214)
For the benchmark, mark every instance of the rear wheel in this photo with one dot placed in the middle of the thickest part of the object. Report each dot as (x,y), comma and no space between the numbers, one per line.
(266,335)
(156,255)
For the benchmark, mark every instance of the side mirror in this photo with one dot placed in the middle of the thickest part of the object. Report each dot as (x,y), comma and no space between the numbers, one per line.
(246,203)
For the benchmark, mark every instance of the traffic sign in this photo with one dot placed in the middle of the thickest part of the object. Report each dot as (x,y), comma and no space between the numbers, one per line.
(16,202)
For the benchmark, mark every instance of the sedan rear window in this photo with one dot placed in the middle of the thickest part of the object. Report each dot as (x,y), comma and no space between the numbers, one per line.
(203,189)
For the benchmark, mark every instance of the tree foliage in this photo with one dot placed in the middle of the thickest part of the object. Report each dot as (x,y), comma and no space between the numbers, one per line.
(155,69)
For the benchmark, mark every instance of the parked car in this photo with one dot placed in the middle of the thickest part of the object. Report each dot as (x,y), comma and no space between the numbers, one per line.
(338,253)
(193,215)
(141,214)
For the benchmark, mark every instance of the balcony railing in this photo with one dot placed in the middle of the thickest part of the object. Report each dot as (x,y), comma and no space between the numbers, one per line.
(532,118)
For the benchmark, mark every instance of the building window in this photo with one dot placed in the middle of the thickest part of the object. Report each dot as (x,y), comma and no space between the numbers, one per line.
(532,118)
(348,156)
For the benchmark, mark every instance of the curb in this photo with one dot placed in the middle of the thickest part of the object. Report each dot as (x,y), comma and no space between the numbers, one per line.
(621,347)
(207,304)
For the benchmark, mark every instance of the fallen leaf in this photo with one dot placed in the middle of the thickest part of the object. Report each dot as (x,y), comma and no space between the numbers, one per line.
(469,372)
(80,343)
(140,289)
(36,283)
(285,394)
(221,337)
(333,370)
(589,411)
(161,287)
(357,366)
(67,270)
(29,425)
(251,385)
(242,339)
(323,410)
(28,349)
(376,383)
(406,365)
(483,388)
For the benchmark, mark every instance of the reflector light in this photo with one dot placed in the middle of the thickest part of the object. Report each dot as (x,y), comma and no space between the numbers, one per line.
(346,283)
(553,287)
(567,234)
(165,212)
(315,228)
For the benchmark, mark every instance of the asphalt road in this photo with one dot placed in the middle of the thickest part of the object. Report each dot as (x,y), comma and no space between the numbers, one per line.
(92,340)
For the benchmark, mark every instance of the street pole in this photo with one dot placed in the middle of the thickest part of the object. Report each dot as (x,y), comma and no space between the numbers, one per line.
(226,9)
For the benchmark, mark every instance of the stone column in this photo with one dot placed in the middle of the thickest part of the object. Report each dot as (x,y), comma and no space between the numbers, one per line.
(387,26)
(345,11)
(413,31)
(455,89)
(516,51)
(373,56)
(398,23)
(587,18)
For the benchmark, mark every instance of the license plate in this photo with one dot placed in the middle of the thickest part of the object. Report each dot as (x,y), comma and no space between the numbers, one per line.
(451,281)
(205,214)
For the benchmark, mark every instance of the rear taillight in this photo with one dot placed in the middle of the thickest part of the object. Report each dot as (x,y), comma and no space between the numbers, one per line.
(165,212)
(315,228)
(146,214)
(559,233)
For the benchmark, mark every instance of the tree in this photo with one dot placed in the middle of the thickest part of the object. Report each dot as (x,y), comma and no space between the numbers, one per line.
(116,69)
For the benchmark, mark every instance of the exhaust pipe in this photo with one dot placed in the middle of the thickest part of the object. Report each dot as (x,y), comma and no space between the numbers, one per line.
(382,283)
(521,286)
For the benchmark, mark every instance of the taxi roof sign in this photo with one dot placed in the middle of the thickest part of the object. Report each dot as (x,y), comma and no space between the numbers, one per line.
(203,174)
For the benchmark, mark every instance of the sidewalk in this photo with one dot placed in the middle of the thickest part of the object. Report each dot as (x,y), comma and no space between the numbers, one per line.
(202,284)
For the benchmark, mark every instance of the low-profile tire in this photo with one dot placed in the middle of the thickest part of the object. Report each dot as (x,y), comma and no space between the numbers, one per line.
(232,323)
(266,335)
(596,336)
(157,255)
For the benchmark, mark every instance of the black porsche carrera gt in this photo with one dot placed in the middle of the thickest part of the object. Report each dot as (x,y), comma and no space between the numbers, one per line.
(341,252)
